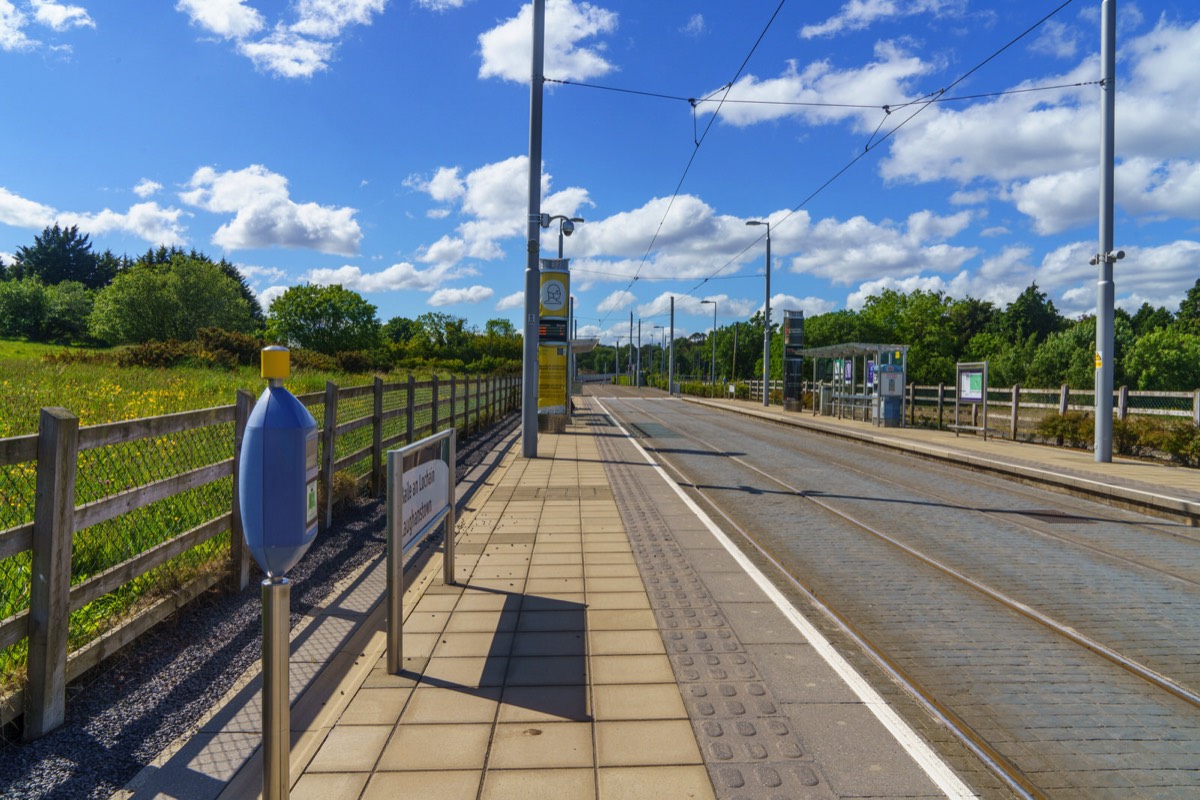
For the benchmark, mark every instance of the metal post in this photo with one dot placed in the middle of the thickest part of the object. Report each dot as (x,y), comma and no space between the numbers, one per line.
(671,353)
(570,340)
(276,748)
(637,382)
(448,562)
(629,365)
(395,568)
(529,370)
(1104,284)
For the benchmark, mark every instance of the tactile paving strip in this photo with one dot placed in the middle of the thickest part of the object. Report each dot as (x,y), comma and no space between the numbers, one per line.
(748,744)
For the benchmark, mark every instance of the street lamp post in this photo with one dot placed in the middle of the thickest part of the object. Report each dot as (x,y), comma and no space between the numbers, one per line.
(766,319)
(566,226)
(712,369)
(661,360)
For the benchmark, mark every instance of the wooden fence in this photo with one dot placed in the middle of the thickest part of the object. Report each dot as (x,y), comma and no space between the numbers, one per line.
(158,477)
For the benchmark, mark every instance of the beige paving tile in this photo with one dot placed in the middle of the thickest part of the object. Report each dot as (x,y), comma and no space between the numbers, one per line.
(627,642)
(544,586)
(499,585)
(621,620)
(605,547)
(426,621)
(465,672)
(609,558)
(592,571)
(556,571)
(380,678)
(329,786)
(640,783)
(486,601)
(506,558)
(545,704)
(551,671)
(464,645)
(553,601)
(442,785)
(646,743)
(350,748)
(556,547)
(496,572)
(631,669)
(540,559)
(418,645)
(565,620)
(546,745)
(604,601)
(375,706)
(433,705)
(435,602)
(615,585)
(540,784)
(638,701)
(482,622)
(549,643)
(429,747)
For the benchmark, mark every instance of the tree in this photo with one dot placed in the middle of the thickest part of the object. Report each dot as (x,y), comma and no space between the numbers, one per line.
(328,319)
(1165,360)
(62,255)
(1149,319)
(1188,317)
(165,255)
(1030,314)
(170,300)
(399,329)
(23,308)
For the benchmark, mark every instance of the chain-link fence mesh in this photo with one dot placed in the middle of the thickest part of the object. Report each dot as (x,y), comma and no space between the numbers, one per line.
(112,469)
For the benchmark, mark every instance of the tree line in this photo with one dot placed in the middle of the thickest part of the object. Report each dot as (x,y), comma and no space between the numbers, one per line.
(58,290)
(1027,342)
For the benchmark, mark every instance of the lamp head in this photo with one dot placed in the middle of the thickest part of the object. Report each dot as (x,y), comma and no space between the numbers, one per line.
(567,227)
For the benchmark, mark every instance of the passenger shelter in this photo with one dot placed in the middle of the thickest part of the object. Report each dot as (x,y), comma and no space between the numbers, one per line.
(849,380)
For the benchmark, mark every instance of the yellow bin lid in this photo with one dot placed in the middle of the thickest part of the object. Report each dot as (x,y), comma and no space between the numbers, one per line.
(275,362)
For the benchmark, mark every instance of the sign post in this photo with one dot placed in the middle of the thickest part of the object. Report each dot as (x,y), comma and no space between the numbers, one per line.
(553,344)
(420,497)
(970,389)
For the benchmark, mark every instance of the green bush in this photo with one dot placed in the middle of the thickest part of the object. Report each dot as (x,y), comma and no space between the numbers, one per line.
(311,359)
(1075,428)
(242,347)
(1138,436)
(172,353)
(1182,442)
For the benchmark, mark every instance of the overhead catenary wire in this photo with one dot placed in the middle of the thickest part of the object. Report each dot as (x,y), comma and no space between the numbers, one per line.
(922,103)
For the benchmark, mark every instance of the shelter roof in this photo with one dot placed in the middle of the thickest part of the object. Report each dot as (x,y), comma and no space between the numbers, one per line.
(850,349)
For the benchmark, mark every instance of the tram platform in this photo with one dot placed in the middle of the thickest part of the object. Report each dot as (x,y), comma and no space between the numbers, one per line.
(602,639)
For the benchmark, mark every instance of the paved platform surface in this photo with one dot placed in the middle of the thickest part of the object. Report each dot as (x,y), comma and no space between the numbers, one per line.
(602,640)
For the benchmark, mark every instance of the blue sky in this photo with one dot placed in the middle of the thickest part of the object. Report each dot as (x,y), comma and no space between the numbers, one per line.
(382,144)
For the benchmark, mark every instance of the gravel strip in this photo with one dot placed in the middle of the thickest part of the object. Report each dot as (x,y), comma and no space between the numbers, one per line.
(123,714)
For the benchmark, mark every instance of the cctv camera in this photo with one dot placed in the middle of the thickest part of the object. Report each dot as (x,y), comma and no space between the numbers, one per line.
(568,227)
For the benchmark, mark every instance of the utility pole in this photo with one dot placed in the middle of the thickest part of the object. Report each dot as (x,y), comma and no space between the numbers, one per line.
(638,371)
(671,352)
(1105,258)
(529,367)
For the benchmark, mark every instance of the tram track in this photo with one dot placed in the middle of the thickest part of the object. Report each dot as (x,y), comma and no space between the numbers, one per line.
(1012,773)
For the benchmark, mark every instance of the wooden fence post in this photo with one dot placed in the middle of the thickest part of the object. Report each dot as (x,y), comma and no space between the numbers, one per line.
(328,438)
(1013,426)
(1123,403)
(466,406)
(1063,400)
(239,554)
(453,402)
(433,422)
(410,420)
(1196,408)
(478,402)
(50,576)
(377,440)
(941,402)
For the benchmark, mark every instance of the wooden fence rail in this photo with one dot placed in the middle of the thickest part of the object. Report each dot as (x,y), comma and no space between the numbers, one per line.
(358,424)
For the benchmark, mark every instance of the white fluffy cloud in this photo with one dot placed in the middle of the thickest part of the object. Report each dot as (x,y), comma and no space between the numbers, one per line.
(230,19)
(146,187)
(505,49)
(471,294)
(266,216)
(395,278)
(57,17)
(885,80)
(296,49)
(859,14)
(511,301)
(148,221)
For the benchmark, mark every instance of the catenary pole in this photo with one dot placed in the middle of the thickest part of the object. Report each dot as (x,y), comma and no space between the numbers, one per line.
(529,368)
(1106,257)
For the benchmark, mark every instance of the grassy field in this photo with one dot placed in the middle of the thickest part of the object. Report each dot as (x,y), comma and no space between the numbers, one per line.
(99,393)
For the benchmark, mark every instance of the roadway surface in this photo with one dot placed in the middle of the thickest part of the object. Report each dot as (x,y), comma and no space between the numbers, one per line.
(1057,639)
